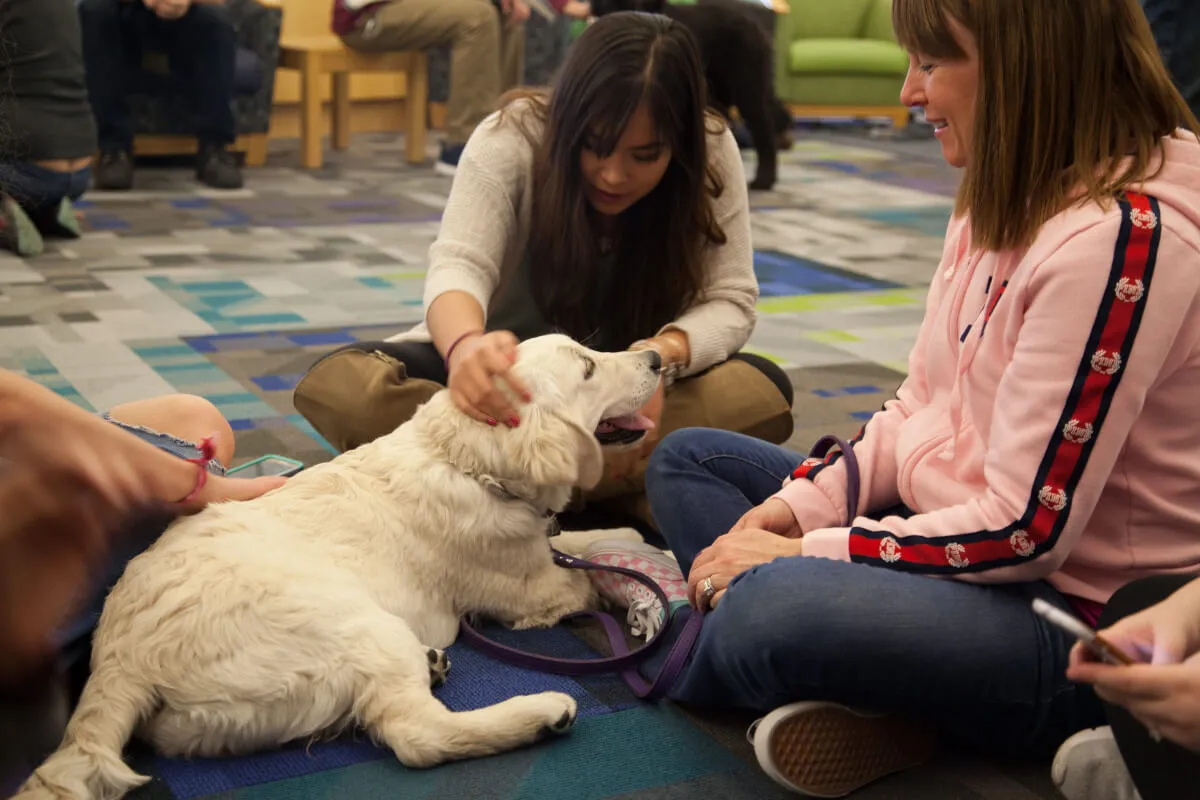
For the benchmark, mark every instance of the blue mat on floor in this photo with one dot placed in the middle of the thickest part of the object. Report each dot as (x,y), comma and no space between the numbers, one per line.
(620,747)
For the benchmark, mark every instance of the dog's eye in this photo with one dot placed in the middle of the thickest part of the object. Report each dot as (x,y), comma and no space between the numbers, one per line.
(589,368)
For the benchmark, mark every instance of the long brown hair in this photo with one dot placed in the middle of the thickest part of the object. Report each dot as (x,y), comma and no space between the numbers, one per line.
(1074,101)
(620,62)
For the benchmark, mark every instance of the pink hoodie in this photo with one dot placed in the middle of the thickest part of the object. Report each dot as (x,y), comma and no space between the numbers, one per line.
(1049,426)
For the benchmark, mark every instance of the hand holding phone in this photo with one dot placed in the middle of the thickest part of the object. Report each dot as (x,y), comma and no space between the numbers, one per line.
(1096,644)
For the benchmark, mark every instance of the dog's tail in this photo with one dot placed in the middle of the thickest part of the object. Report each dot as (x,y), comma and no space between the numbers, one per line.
(88,764)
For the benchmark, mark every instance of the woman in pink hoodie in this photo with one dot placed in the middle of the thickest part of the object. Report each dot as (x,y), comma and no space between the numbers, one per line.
(1045,444)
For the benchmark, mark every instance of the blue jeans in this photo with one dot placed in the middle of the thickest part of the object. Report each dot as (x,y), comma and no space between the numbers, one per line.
(1176,28)
(39,190)
(974,659)
(201,46)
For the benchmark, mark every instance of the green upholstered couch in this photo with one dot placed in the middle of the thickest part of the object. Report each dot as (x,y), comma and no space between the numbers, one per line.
(840,58)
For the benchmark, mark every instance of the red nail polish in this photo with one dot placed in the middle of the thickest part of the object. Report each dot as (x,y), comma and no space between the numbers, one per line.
(514,422)
(491,422)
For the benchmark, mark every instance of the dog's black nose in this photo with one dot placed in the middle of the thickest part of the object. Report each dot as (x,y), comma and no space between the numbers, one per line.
(655,360)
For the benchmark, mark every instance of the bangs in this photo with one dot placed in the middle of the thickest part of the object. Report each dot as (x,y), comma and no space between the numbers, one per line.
(610,112)
(923,26)
(609,115)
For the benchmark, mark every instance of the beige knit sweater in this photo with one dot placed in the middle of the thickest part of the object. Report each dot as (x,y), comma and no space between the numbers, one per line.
(486,224)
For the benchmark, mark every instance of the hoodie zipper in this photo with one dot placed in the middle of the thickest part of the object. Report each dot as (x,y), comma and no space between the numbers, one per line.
(957,300)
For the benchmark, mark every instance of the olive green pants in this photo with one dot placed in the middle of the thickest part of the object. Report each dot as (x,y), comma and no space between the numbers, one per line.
(367,390)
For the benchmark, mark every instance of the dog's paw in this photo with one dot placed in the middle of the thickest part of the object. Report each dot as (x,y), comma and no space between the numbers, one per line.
(439,667)
(762,183)
(561,714)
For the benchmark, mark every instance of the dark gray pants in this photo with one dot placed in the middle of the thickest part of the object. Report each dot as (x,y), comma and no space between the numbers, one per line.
(1176,27)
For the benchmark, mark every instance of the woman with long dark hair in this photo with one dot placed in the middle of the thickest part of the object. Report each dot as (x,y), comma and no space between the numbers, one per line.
(612,208)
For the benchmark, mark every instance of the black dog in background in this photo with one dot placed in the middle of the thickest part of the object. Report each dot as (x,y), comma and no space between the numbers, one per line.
(737,47)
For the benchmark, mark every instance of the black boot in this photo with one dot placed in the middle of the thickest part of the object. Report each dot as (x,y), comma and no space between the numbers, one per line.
(114,171)
(216,167)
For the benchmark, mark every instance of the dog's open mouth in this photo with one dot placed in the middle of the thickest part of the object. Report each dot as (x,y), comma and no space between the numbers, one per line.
(622,430)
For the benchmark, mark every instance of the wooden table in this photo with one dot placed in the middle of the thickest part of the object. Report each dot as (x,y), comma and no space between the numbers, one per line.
(316,57)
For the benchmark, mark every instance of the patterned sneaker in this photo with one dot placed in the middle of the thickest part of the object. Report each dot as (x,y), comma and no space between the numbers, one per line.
(1088,766)
(828,750)
(645,613)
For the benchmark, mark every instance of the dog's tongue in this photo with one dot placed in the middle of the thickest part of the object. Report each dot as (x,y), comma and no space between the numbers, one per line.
(630,422)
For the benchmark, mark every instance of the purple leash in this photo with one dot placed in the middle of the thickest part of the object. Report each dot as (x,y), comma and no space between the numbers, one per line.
(853,479)
(623,660)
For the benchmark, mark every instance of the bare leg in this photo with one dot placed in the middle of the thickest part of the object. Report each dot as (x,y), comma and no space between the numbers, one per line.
(184,416)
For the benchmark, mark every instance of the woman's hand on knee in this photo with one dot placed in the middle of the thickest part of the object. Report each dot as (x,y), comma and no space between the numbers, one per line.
(730,556)
(480,372)
(774,515)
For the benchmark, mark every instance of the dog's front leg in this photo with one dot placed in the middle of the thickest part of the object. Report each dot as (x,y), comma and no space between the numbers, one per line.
(554,595)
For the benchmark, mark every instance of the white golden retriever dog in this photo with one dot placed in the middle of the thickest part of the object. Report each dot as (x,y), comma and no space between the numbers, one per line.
(327,602)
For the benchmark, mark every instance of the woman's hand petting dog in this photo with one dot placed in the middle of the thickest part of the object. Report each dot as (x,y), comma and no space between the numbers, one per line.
(624,463)
(480,370)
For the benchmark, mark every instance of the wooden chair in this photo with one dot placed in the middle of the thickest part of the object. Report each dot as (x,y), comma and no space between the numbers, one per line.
(321,55)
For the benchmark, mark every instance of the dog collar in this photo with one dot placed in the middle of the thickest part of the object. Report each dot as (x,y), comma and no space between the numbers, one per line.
(500,490)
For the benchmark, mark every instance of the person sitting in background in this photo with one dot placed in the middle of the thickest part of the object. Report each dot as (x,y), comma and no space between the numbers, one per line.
(47,135)
(612,208)
(487,51)
(199,39)
(1152,749)
(1045,443)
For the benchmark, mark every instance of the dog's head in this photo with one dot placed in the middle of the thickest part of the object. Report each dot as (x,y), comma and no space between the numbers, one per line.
(602,7)
(582,401)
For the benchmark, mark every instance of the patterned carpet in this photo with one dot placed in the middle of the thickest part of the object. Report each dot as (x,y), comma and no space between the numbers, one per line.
(231,295)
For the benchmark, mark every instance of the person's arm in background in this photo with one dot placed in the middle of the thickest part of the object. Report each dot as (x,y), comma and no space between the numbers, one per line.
(715,328)
(711,330)
(464,271)
(1164,694)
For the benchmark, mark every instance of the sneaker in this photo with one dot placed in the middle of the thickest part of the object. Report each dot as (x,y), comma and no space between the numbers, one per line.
(217,167)
(114,171)
(17,231)
(645,614)
(828,750)
(58,221)
(1089,766)
(447,163)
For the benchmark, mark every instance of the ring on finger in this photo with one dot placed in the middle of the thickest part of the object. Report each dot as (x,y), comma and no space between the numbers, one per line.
(707,590)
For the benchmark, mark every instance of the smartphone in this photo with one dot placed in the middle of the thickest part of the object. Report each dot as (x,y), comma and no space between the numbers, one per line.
(267,465)
(1100,647)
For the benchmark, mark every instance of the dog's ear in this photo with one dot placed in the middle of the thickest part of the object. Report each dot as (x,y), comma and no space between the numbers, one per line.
(553,449)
